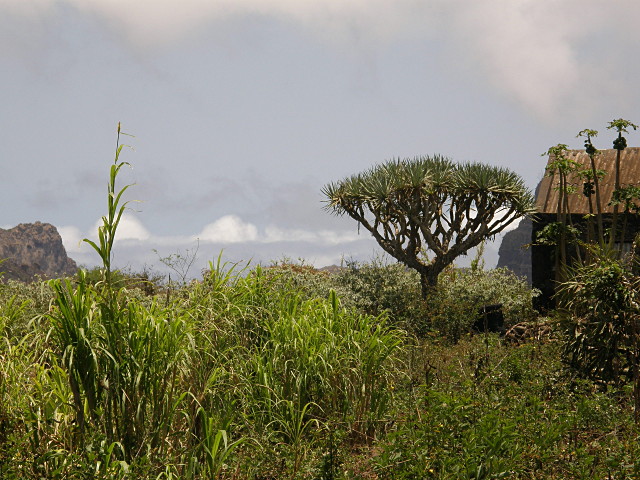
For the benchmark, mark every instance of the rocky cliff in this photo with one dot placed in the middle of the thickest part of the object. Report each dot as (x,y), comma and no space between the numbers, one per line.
(32,249)
(513,254)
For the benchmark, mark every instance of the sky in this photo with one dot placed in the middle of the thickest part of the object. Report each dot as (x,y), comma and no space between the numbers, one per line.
(242,110)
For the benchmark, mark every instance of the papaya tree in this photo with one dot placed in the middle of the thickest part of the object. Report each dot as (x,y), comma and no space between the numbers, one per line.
(592,180)
(619,144)
(561,166)
(427,211)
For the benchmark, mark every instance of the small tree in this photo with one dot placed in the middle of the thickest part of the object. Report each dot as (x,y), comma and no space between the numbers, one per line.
(563,167)
(592,180)
(602,323)
(620,143)
(412,206)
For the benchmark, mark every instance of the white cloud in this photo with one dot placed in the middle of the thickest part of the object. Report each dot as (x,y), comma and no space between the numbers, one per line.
(321,237)
(524,47)
(550,59)
(329,237)
(129,228)
(229,229)
(275,234)
(71,238)
(240,241)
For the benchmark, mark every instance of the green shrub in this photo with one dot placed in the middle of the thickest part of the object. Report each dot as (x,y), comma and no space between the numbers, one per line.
(379,286)
(373,288)
(600,318)
(307,280)
(454,305)
(146,281)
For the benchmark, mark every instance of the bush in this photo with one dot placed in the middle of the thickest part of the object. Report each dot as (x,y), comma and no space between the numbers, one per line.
(454,305)
(146,281)
(601,319)
(373,288)
(378,287)
(310,282)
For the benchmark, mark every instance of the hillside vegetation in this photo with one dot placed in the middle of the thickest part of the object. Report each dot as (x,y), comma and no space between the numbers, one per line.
(286,372)
(260,373)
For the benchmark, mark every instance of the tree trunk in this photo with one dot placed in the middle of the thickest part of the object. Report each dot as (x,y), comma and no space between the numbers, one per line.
(428,281)
(614,220)
(596,184)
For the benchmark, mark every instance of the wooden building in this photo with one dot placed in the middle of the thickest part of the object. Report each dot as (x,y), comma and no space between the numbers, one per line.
(543,261)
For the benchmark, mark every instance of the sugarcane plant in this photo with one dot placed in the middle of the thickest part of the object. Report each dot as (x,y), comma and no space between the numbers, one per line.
(123,359)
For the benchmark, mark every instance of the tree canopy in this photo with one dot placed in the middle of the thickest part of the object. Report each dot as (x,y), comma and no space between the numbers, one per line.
(431,204)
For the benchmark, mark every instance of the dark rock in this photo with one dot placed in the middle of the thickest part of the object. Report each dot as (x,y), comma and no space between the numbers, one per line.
(34,249)
(513,252)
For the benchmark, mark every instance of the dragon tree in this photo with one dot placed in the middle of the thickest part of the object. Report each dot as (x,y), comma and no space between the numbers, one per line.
(427,211)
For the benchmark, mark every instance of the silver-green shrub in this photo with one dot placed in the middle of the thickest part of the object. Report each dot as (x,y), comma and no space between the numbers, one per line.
(461,293)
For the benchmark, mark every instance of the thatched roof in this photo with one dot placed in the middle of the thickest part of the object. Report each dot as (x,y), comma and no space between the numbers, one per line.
(547,197)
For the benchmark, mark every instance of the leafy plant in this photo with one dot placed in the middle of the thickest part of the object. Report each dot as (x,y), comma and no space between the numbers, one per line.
(561,165)
(123,359)
(378,287)
(592,180)
(601,302)
(619,144)
(455,305)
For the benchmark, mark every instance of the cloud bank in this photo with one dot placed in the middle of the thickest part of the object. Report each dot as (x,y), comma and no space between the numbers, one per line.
(532,52)
(137,248)
(135,245)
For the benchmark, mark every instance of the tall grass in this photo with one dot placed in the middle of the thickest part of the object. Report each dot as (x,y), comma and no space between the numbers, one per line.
(189,385)
(124,360)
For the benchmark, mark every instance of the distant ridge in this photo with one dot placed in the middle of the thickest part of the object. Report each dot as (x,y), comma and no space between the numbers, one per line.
(34,249)
(513,252)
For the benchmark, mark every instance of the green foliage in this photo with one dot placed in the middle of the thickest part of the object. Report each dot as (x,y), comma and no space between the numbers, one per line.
(552,233)
(601,302)
(567,172)
(621,126)
(377,287)
(308,281)
(454,306)
(278,385)
(471,419)
(121,358)
(146,282)
(628,197)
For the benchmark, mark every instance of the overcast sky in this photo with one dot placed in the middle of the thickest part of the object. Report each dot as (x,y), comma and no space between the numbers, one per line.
(243,109)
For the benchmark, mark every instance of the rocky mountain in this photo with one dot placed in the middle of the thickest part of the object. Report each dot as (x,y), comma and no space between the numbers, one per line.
(32,249)
(513,254)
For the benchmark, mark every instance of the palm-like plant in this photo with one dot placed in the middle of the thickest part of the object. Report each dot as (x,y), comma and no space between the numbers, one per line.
(620,143)
(412,206)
